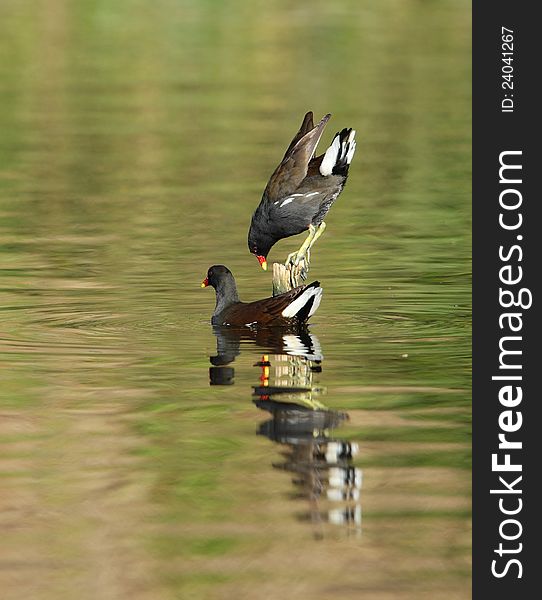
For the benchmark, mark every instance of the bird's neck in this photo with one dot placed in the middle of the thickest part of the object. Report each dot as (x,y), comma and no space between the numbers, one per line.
(263,235)
(226,295)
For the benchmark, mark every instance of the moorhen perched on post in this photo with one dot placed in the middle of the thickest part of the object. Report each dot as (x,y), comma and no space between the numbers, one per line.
(301,191)
(291,308)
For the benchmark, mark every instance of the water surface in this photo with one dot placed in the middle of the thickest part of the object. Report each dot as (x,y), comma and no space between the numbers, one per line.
(141,455)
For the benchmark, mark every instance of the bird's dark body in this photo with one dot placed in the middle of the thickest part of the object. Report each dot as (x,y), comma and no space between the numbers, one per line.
(298,194)
(266,312)
(269,312)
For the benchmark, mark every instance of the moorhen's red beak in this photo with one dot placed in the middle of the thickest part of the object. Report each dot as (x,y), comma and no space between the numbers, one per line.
(205,282)
(263,262)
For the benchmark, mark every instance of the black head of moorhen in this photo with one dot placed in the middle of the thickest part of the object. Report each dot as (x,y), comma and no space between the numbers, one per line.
(301,190)
(295,306)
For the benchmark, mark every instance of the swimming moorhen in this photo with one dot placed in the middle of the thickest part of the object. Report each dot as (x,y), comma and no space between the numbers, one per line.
(292,307)
(301,191)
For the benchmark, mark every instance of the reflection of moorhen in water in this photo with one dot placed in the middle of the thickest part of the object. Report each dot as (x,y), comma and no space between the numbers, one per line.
(321,464)
(279,340)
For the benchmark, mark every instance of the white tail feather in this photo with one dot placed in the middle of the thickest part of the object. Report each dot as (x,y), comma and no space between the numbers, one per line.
(351,151)
(338,151)
(294,307)
(330,157)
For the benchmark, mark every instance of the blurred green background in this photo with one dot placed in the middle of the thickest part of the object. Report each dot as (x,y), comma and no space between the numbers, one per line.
(136,140)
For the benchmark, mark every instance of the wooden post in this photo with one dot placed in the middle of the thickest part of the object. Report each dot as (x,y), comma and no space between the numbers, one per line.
(287,277)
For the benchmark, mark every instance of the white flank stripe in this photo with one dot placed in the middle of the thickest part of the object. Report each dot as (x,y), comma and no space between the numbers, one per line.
(294,307)
(330,157)
(311,194)
(287,201)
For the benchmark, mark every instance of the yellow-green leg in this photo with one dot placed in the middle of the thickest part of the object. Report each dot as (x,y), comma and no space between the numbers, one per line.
(295,257)
(304,252)
(319,231)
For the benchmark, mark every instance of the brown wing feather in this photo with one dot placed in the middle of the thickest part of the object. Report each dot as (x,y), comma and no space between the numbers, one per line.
(265,312)
(306,126)
(293,168)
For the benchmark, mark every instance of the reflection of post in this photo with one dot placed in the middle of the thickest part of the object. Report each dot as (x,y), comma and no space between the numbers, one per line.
(322,465)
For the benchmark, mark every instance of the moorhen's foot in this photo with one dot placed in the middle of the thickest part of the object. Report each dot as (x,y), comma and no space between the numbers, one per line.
(298,273)
(294,261)
(303,253)
(297,269)
(293,282)
(291,260)
(292,277)
(304,270)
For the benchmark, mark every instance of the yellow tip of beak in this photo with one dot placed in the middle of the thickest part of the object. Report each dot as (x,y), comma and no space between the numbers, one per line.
(203,285)
(264,265)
